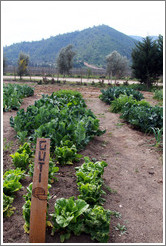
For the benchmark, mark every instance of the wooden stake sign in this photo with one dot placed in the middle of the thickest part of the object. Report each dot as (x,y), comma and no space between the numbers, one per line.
(39,192)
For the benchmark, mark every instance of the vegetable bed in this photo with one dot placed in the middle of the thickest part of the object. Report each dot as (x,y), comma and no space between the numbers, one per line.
(129,174)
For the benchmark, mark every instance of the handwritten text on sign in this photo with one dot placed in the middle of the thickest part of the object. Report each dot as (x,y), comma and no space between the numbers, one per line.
(39,192)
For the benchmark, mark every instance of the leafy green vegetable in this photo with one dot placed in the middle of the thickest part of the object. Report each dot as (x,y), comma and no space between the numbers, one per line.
(75,216)
(13,94)
(26,215)
(97,222)
(7,207)
(112,93)
(89,181)
(17,172)
(144,118)
(66,155)
(20,160)
(67,215)
(61,117)
(22,157)
(118,103)
(11,184)
(26,148)
(91,193)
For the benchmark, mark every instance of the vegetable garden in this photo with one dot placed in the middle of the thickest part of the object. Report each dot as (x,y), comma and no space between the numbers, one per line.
(83,203)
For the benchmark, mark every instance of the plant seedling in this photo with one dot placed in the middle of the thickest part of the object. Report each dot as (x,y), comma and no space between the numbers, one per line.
(121,228)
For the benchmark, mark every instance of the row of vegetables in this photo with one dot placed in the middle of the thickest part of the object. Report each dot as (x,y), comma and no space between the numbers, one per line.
(13,95)
(72,215)
(64,118)
(133,109)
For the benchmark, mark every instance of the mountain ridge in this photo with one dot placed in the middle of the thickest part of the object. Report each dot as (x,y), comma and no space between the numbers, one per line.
(92,45)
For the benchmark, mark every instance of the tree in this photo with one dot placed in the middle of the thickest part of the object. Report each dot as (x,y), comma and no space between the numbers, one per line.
(65,60)
(23,62)
(160,53)
(4,63)
(117,65)
(147,60)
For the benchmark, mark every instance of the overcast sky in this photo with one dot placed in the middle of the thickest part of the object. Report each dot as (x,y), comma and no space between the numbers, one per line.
(34,20)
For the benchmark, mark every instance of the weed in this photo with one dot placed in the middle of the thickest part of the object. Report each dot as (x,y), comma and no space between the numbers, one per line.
(101,115)
(119,124)
(7,146)
(94,159)
(158,95)
(116,214)
(104,144)
(110,189)
(121,228)
(158,133)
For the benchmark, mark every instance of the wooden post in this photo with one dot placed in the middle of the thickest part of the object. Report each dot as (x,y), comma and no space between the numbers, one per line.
(39,192)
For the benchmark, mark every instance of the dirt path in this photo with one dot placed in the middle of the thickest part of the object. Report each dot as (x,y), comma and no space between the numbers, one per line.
(134,173)
(84,80)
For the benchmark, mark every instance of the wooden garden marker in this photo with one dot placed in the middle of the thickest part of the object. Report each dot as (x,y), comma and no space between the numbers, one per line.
(39,192)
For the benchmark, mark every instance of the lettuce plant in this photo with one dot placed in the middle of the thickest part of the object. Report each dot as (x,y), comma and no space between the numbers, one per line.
(17,172)
(66,155)
(11,184)
(89,181)
(67,216)
(91,193)
(7,207)
(22,157)
(97,222)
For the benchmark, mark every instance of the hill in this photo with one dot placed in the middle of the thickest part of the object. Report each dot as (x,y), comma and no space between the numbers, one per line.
(140,39)
(92,45)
